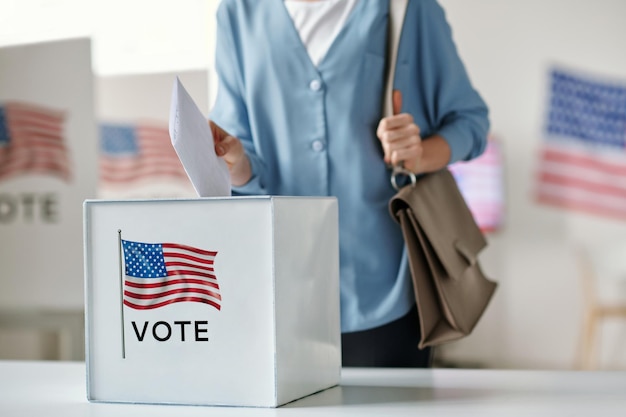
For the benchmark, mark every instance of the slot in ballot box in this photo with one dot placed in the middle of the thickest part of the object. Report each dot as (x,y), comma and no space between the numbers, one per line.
(211,301)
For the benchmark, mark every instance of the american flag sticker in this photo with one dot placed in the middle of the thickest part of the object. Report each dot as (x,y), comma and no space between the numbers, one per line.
(160,274)
(137,152)
(582,162)
(32,141)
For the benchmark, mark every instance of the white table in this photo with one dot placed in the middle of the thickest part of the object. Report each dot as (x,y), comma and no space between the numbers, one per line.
(48,389)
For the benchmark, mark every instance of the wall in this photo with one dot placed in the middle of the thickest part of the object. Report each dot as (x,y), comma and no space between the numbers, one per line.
(508,48)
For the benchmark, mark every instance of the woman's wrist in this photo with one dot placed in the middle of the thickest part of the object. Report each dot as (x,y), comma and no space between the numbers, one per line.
(241,172)
(435,154)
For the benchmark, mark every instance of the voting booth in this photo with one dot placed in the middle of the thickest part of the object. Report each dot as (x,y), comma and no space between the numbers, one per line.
(211,301)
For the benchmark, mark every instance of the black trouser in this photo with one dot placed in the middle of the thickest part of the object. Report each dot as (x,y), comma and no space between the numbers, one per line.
(391,345)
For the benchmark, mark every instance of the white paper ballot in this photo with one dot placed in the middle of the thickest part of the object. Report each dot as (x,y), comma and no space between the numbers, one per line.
(193,141)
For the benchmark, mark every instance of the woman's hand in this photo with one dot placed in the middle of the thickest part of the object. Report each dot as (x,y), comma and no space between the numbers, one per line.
(231,150)
(402,142)
(400,138)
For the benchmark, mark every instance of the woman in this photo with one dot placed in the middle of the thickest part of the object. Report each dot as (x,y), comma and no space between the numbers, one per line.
(300,95)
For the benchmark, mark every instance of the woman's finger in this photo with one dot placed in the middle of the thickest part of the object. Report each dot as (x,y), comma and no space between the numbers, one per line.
(218,133)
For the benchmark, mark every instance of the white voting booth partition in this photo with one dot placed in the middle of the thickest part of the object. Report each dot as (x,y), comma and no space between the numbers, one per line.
(48,160)
(211,301)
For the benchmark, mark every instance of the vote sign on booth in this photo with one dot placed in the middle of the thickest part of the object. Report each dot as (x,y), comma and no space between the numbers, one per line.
(211,301)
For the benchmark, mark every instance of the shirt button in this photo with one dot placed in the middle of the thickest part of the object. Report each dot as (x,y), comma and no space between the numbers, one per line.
(315,85)
(317,146)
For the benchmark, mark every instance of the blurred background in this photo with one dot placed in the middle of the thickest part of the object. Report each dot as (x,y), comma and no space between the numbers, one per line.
(85,90)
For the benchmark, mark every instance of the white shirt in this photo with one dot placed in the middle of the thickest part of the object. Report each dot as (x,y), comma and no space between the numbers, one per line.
(318,23)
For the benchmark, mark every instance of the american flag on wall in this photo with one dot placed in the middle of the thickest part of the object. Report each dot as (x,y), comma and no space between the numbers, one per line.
(158,274)
(582,162)
(481,182)
(139,152)
(32,141)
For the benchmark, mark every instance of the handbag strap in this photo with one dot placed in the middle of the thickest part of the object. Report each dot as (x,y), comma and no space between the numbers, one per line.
(397,11)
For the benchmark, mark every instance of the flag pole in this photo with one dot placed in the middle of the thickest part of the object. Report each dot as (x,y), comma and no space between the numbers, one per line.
(119,242)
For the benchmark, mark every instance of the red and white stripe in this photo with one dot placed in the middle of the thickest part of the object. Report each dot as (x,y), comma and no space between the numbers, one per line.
(36,142)
(577,179)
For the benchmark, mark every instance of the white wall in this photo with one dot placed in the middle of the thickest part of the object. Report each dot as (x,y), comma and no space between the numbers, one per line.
(129,37)
(508,47)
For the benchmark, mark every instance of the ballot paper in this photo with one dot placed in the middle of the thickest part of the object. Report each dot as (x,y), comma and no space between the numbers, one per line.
(193,141)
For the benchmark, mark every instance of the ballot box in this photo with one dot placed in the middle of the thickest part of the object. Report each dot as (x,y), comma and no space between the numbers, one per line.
(211,301)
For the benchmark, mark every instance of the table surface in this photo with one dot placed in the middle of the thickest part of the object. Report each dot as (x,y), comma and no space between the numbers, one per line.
(58,389)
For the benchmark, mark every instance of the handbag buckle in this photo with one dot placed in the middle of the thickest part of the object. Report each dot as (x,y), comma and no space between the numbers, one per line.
(400,170)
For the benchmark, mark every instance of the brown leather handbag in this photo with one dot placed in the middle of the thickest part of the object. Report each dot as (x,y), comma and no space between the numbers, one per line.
(442,239)
(443,243)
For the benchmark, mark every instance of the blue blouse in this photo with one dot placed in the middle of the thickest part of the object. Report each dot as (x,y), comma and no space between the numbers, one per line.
(312,130)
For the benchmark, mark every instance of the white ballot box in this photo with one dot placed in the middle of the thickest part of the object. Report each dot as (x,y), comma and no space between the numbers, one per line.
(211,301)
